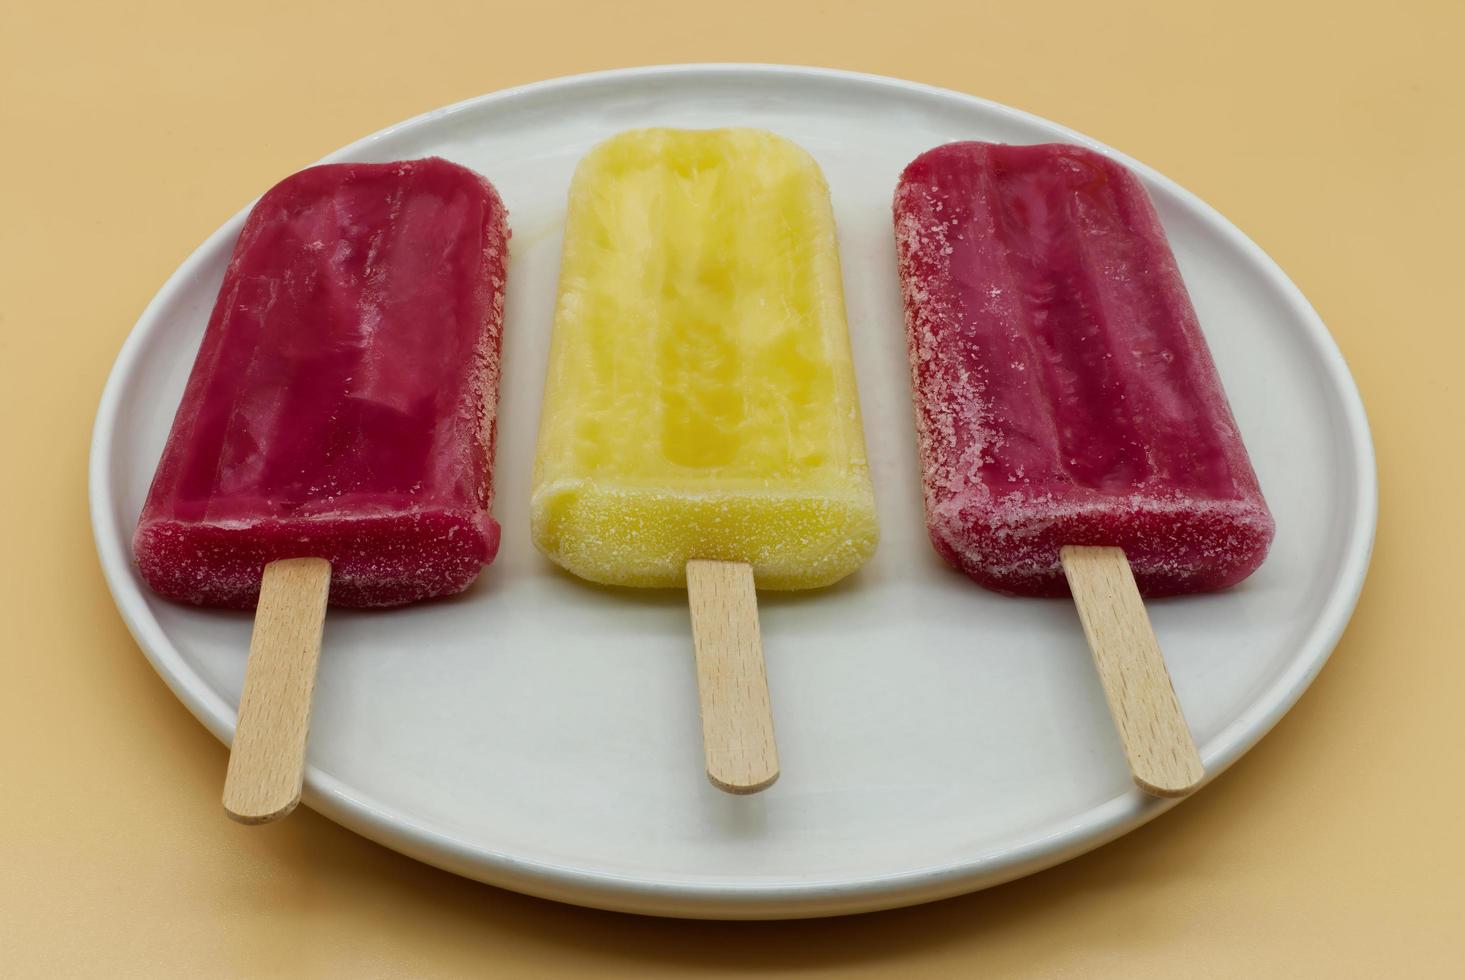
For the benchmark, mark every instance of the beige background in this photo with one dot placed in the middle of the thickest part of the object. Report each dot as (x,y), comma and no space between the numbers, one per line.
(1331,133)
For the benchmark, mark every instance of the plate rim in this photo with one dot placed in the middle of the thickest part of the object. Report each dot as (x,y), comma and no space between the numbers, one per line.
(687,897)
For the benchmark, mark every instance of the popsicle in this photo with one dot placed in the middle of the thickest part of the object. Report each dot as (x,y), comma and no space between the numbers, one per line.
(338,424)
(701,424)
(1070,418)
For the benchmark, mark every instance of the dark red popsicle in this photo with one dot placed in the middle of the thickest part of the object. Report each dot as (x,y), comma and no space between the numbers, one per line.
(1064,391)
(342,404)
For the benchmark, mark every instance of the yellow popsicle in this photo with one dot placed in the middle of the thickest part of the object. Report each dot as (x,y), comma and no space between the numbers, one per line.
(700,400)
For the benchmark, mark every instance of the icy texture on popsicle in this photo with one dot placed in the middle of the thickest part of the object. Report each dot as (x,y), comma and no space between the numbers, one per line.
(342,404)
(701,399)
(1064,392)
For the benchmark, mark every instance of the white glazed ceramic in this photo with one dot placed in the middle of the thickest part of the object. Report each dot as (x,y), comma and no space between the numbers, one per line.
(541,734)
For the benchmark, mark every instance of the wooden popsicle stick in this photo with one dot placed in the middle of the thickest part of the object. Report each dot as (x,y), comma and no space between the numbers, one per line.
(267,762)
(1157,741)
(732,683)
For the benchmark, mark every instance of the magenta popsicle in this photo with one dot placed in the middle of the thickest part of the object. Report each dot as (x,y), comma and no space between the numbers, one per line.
(1064,391)
(342,404)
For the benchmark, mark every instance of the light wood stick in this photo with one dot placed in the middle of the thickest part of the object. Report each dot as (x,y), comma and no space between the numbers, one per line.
(1162,755)
(732,683)
(267,762)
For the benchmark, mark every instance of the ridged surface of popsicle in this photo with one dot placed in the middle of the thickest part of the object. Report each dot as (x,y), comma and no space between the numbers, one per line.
(1064,391)
(700,400)
(342,404)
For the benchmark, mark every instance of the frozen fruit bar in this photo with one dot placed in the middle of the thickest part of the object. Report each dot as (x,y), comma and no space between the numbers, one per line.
(700,401)
(1064,392)
(342,403)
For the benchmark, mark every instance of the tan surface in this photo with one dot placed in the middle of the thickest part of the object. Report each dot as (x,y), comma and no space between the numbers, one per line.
(130,131)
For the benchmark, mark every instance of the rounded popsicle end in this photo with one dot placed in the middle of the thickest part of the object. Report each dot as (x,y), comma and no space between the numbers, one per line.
(255,817)
(1178,783)
(743,784)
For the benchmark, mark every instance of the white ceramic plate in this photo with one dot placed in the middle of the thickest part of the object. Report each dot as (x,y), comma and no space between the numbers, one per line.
(541,734)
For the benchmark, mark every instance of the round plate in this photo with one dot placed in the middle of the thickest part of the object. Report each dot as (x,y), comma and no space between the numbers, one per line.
(541,734)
